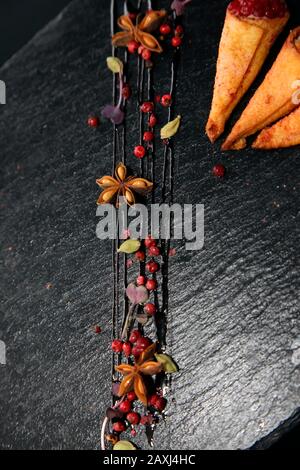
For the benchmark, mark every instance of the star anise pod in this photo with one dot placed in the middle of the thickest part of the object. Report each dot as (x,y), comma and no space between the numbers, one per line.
(133,375)
(141,31)
(122,185)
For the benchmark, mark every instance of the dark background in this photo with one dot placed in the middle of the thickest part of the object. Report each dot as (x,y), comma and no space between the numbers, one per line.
(19,21)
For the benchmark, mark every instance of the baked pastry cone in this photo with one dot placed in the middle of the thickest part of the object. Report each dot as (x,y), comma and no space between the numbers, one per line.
(274,98)
(244,46)
(285,133)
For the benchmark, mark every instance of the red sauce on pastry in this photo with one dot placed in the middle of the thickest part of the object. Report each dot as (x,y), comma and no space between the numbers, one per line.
(259,8)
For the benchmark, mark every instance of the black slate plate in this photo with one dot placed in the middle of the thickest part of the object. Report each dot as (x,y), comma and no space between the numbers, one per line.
(233,306)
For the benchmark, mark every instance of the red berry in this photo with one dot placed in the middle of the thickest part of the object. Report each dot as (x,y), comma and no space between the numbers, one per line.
(133,433)
(135,336)
(140,255)
(143,343)
(179,30)
(132,16)
(153,399)
(146,54)
(149,242)
(125,406)
(176,41)
(152,267)
(131,396)
(127,347)
(151,284)
(149,266)
(126,92)
(148,136)
(133,418)
(152,120)
(140,50)
(141,281)
(97,330)
(133,46)
(140,347)
(166,100)
(139,151)
(93,121)
(157,402)
(150,309)
(154,251)
(160,404)
(145,420)
(147,107)
(136,351)
(119,427)
(117,346)
(219,171)
(165,29)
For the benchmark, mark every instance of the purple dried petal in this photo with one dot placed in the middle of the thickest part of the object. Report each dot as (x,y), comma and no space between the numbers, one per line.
(115,389)
(131,293)
(179,6)
(118,116)
(142,295)
(108,111)
(114,113)
(137,295)
(113,413)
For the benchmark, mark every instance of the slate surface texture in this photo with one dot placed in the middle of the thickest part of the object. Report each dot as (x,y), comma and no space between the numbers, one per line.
(234,306)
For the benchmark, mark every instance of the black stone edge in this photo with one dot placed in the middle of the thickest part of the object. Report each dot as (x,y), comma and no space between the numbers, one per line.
(47,27)
(282,432)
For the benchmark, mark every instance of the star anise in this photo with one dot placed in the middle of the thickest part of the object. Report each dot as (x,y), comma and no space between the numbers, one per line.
(133,375)
(141,31)
(122,185)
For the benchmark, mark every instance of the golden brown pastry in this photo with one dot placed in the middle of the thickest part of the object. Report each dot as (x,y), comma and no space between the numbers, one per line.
(285,133)
(250,29)
(274,98)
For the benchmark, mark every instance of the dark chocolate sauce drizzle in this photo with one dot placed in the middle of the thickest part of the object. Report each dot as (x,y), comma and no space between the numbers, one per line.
(119,148)
(144,76)
(125,270)
(114,242)
(167,196)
